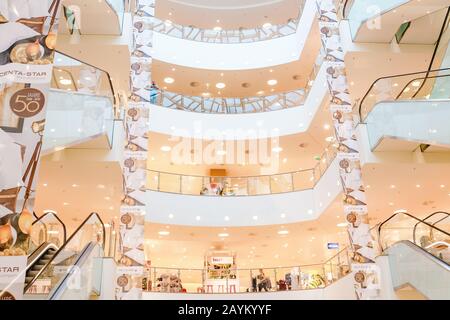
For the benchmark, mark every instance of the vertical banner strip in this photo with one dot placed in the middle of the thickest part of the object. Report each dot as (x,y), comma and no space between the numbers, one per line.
(27,42)
(365,272)
(134,164)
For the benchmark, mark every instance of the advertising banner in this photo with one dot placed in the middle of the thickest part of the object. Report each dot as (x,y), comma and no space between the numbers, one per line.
(12,277)
(354,200)
(27,43)
(132,212)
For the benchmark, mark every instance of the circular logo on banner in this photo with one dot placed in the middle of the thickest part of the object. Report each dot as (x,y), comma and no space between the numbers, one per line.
(27,102)
(7,296)
(122,281)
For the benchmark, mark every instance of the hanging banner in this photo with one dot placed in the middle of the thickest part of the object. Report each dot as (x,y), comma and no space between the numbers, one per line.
(132,213)
(27,41)
(354,202)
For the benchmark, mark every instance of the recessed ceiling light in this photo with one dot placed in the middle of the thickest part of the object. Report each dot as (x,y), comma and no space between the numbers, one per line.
(166,148)
(101,186)
(169,80)
(415,83)
(168,23)
(442,185)
(272,82)
(342,224)
(310,211)
(283,215)
(170,216)
(267,25)
(223,235)
(260,92)
(255,217)
(227,218)
(329,139)
(417,185)
(283,232)
(164,233)
(221,152)
(65,203)
(107,198)
(285,160)
(220,85)
(277,149)
(206,94)
(326,126)
(197,218)
(217,28)
(65,82)
(392,186)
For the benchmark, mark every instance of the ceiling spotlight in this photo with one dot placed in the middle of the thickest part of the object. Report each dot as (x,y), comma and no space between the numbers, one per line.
(220,85)
(223,235)
(255,217)
(197,218)
(169,80)
(65,82)
(170,216)
(217,29)
(283,232)
(267,25)
(277,149)
(342,224)
(326,126)
(164,233)
(260,92)
(272,82)
(166,148)
(221,152)
(329,139)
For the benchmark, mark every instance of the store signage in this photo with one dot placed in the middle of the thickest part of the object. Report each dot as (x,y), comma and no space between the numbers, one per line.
(222,260)
(332,245)
(12,277)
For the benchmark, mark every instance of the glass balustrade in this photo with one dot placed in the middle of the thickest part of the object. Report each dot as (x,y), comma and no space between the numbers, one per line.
(429,85)
(206,104)
(218,35)
(81,104)
(67,260)
(47,229)
(241,186)
(359,11)
(403,226)
(118,7)
(244,280)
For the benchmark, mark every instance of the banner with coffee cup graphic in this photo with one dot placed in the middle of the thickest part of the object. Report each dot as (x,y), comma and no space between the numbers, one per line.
(27,43)
(132,212)
(365,272)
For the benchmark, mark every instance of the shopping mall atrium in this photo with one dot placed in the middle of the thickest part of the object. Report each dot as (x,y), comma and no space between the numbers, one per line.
(224,149)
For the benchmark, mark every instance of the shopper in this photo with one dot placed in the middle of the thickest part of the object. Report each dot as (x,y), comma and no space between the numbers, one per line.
(154,91)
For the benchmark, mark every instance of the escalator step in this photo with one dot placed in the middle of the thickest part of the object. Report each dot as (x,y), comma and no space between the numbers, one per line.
(28,279)
(48,256)
(32,272)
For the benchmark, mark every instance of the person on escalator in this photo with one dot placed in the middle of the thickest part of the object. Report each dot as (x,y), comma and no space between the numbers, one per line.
(154,91)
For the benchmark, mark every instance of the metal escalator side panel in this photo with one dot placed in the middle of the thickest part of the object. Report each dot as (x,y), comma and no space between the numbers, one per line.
(414,266)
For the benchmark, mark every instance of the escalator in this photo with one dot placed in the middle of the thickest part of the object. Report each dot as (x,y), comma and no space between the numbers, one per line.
(80,108)
(71,270)
(419,254)
(379,21)
(48,233)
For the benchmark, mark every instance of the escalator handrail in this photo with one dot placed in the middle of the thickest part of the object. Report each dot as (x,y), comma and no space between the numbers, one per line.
(415,79)
(64,246)
(434,223)
(411,216)
(88,64)
(388,77)
(39,219)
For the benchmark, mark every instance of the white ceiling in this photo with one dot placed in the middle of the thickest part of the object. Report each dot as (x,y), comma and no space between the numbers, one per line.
(229,14)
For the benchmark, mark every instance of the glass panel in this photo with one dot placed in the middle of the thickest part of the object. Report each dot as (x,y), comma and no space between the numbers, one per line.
(91,231)
(85,281)
(259,185)
(80,104)
(191,185)
(303,180)
(46,229)
(119,8)
(422,121)
(169,182)
(281,183)
(152,180)
(362,10)
(312,277)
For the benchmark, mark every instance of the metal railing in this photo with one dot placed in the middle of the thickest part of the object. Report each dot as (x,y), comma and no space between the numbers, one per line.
(245,280)
(244,185)
(206,104)
(218,35)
